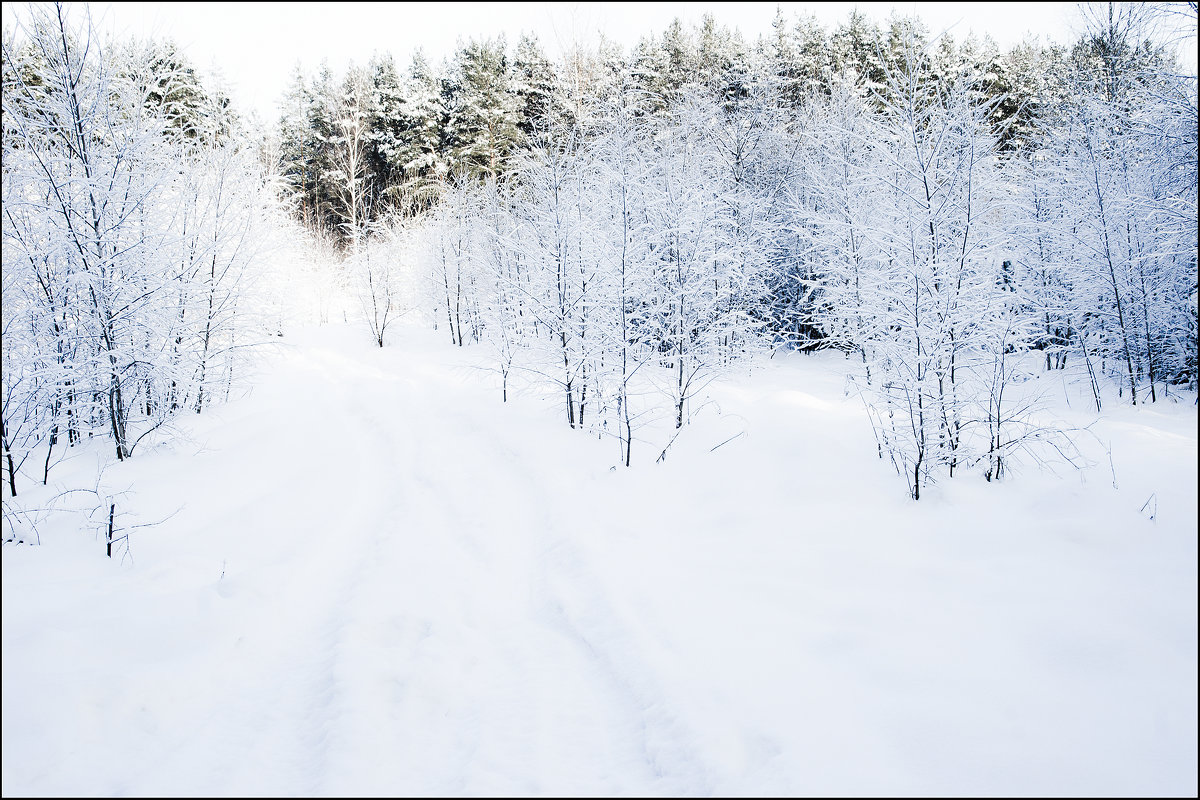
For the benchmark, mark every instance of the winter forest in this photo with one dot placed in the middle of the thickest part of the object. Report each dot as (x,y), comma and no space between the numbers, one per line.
(983,259)
(622,227)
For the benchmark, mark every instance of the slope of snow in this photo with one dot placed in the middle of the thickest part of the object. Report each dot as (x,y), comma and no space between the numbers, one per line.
(375,578)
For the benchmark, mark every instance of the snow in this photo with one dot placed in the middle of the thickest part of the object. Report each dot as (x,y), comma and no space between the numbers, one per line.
(372,577)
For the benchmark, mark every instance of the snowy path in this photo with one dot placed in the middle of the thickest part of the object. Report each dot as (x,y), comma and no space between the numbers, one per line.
(412,644)
(426,592)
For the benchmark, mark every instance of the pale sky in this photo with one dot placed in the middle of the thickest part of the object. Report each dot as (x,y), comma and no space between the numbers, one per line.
(255,46)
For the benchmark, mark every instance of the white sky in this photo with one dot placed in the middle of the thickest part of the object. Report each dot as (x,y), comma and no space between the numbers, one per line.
(255,46)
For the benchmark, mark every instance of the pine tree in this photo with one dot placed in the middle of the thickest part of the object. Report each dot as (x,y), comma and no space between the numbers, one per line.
(857,45)
(298,148)
(174,91)
(422,149)
(722,62)
(482,123)
(534,81)
(385,135)
(799,60)
(322,121)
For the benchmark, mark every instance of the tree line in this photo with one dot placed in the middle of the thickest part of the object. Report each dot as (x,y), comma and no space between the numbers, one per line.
(382,138)
(943,212)
(618,227)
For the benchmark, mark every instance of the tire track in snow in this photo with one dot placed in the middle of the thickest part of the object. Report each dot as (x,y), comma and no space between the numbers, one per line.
(423,643)
(552,567)
(666,744)
(280,699)
(332,717)
(491,662)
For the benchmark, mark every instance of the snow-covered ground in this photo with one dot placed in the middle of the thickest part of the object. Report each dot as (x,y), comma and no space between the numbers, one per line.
(379,579)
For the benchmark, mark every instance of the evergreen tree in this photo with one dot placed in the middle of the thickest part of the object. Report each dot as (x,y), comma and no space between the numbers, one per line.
(722,62)
(422,154)
(482,124)
(1030,81)
(799,60)
(534,81)
(298,148)
(322,121)
(385,135)
(857,46)
(173,90)
(648,73)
